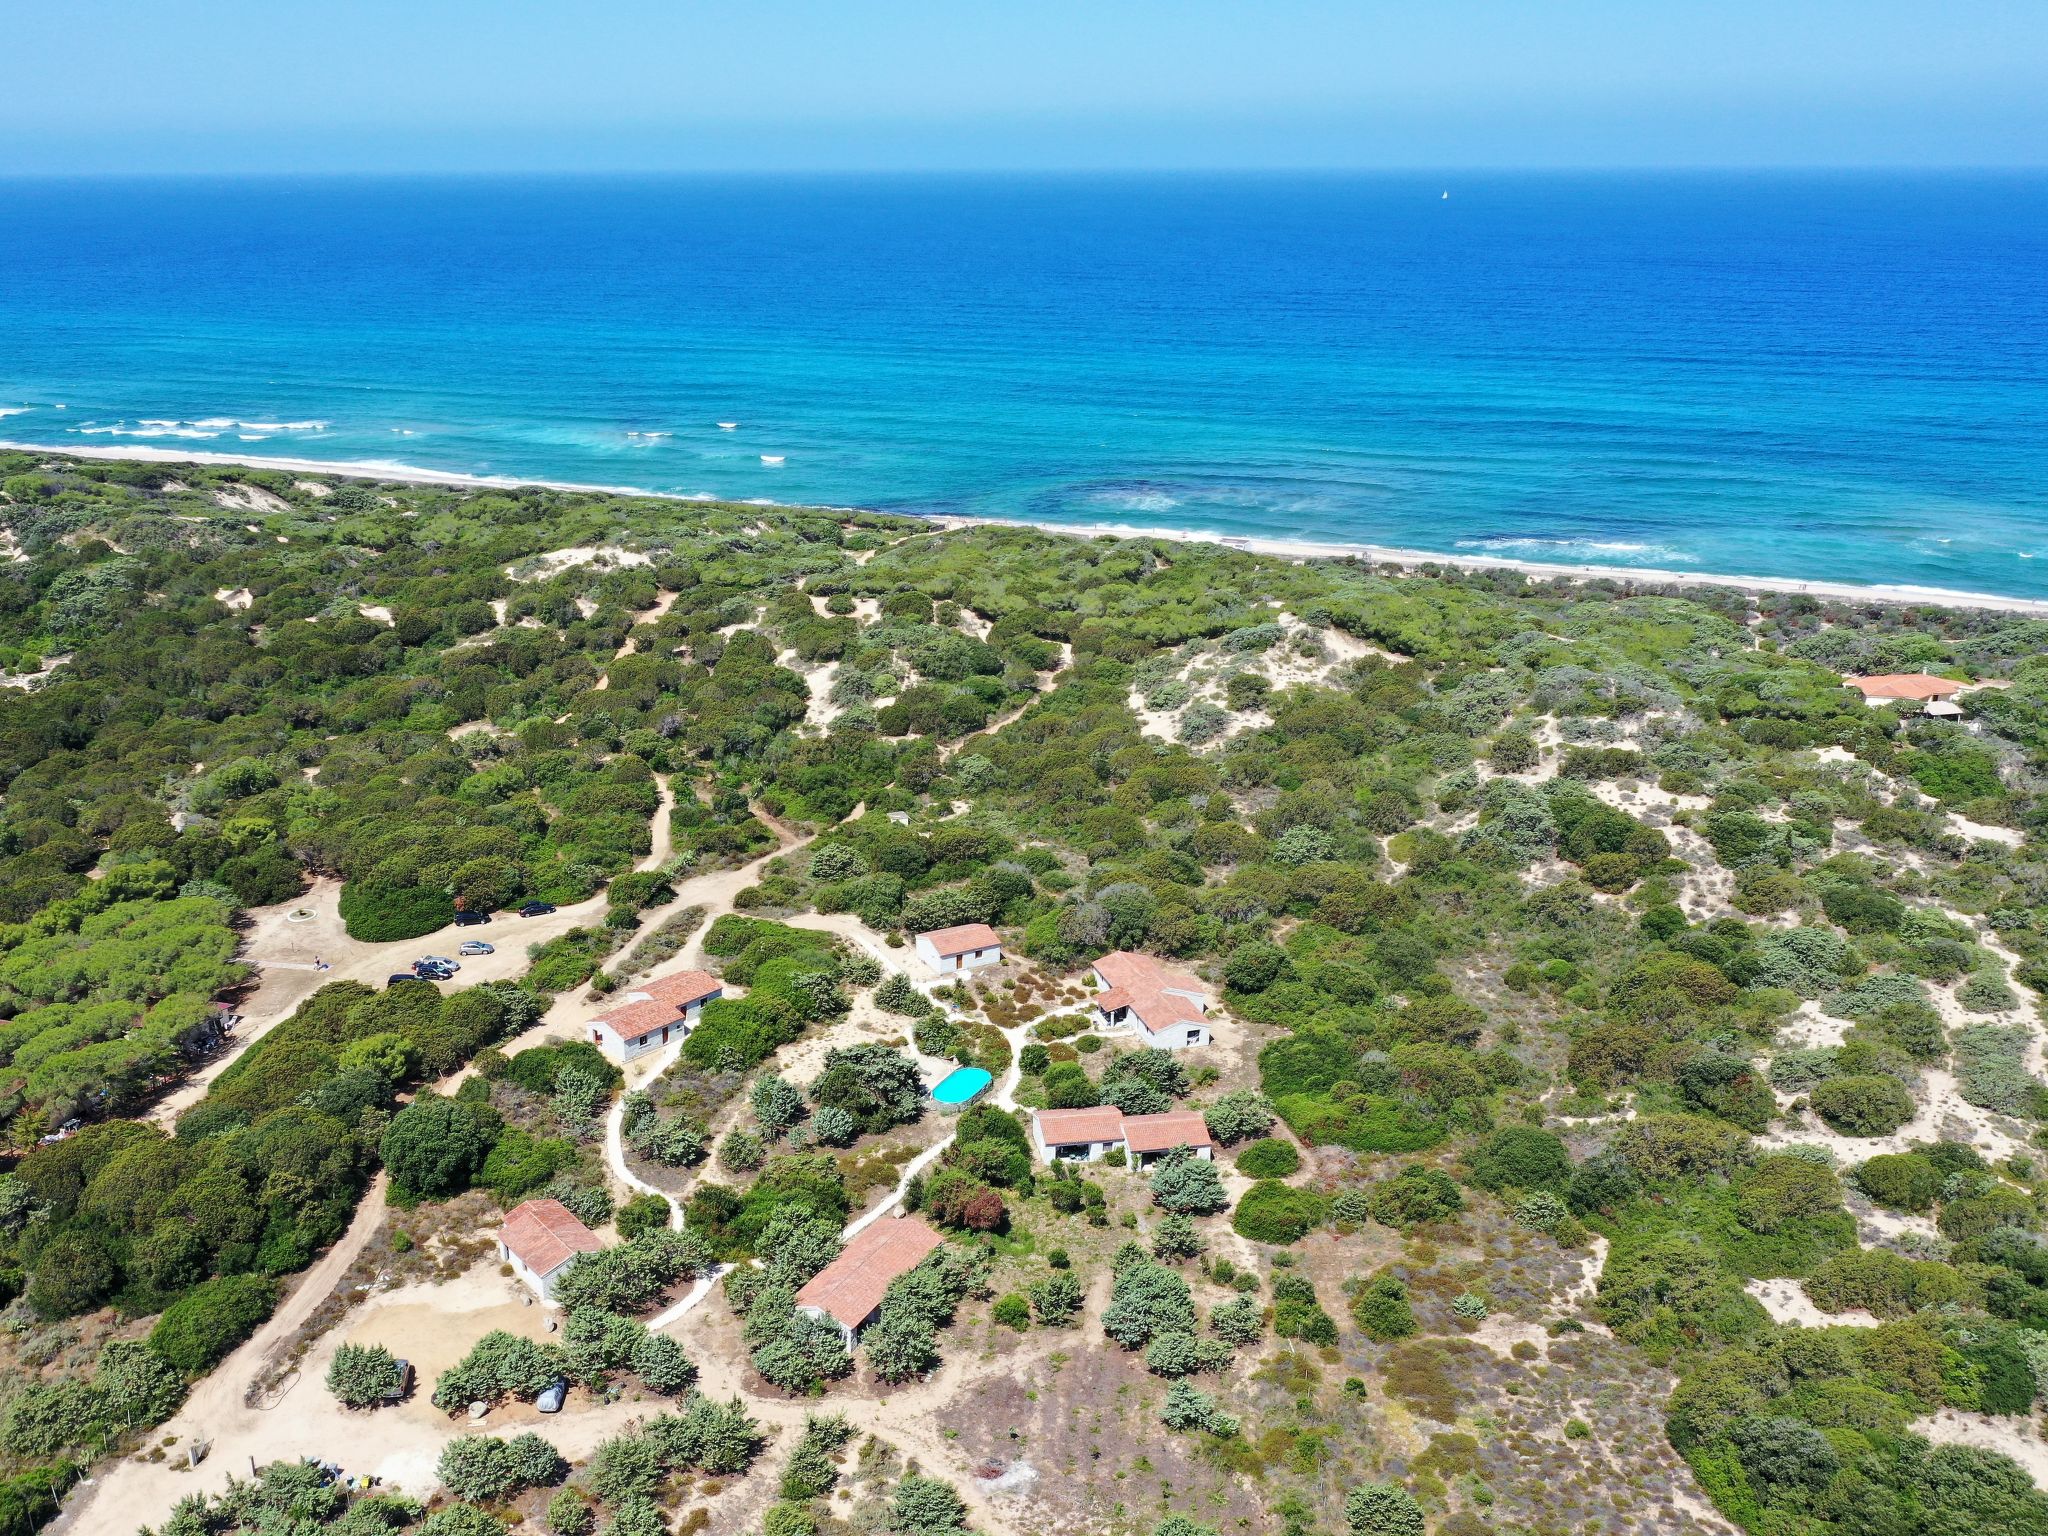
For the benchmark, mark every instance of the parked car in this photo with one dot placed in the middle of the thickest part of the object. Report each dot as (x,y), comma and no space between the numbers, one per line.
(397,976)
(441,960)
(550,1399)
(475,947)
(471,919)
(430,972)
(401,1388)
(537,909)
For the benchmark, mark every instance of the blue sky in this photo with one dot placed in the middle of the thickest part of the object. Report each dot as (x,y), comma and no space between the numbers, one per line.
(455,85)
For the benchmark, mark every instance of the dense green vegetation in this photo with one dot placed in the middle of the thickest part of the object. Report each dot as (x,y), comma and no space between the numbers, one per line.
(1607,909)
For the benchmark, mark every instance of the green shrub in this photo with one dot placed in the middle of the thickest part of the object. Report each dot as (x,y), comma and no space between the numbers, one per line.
(200,1328)
(1521,1157)
(1268,1158)
(1381,1309)
(1272,1212)
(1873,1105)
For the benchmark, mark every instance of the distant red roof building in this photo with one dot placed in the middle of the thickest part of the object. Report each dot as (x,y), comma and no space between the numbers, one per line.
(543,1235)
(851,1287)
(1905,685)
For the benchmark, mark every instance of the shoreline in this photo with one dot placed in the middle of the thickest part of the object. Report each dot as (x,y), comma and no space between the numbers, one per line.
(1900,594)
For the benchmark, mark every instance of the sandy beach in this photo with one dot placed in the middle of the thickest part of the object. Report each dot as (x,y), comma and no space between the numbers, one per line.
(1294,549)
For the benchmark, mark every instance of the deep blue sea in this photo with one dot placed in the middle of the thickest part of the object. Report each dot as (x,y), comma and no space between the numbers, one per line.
(1813,376)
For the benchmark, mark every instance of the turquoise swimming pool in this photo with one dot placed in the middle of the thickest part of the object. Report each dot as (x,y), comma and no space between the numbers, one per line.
(961,1087)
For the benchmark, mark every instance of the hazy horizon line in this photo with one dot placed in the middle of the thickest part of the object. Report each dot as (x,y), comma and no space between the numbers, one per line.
(848,173)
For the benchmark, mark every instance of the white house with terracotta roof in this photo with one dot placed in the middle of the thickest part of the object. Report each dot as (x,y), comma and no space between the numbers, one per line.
(1147,1138)
(539,1240)
(1078,1135)
(1933,695)
(1163,1006)
(848,1292)
(648,1017)
(968,947)
(1088,1135)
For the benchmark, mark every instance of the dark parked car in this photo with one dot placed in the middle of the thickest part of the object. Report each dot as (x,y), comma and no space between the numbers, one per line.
(471,919)
(402,1387)
(537,909)
(397,976)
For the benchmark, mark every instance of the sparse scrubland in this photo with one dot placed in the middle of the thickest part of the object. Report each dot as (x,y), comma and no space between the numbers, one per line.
(1627,1079)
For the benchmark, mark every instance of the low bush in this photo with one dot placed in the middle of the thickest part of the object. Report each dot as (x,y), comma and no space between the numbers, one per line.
(1272,1212)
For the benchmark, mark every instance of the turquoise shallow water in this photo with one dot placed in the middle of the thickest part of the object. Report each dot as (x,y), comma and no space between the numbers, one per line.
(1839,377)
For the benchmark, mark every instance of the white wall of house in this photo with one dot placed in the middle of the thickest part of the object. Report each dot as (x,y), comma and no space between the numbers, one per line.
(848,1336)
(1147,1159)
(542,1286)
(946,965)
(1077,1151)
(1181,1037)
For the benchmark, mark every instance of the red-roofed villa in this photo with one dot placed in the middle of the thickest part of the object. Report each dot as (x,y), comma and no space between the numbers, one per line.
(848,1292)
(965,948)
(1934,695)
(1088,1135)
(1166,1008)
(648,1017)
(539,1239)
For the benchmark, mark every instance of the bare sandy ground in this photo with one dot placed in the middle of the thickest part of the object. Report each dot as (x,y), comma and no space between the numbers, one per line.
(1205,667)
(2017,1437)
(1787,1302)
(555,561)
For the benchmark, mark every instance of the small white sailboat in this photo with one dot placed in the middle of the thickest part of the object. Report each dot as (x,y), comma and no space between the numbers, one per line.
(771,458)
(728,426)
(1447,197)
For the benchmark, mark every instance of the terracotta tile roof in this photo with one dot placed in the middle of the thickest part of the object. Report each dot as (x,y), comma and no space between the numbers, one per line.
(661,1001)
(1161,1133)
(1905,685)
(1151,989)
(544,1235)
(1064,1127)
(851,1286)
(963,940)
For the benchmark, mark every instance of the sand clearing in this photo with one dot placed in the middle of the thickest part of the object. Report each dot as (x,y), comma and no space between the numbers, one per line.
(35,679)
(1205,667)
(250,498)
(2016,1437)
(237,598)
(1788,1303)
(554,562)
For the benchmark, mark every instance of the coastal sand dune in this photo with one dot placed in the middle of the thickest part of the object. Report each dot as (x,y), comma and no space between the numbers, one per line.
(1296,549)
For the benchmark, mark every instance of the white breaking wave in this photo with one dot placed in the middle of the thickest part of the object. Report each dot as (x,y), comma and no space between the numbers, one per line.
(18,410)
(204,427)
(1567,550)
(1138,501)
